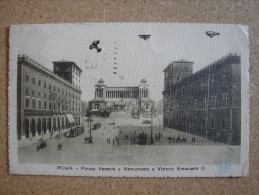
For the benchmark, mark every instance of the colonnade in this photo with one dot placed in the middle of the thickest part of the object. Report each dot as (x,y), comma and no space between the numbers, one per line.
(126,94)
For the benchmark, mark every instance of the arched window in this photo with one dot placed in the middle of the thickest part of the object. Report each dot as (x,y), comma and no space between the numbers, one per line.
(39,126)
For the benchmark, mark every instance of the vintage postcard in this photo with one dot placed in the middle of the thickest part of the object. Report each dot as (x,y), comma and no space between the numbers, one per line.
(129,100)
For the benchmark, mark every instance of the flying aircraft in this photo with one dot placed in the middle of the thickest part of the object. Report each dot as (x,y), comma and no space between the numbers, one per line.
(95,45)
(212,33)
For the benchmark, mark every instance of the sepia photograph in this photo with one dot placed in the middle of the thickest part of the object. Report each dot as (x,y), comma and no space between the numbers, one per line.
(129,100)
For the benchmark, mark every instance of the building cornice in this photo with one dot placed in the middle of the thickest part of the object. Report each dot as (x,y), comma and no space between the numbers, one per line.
(40,68)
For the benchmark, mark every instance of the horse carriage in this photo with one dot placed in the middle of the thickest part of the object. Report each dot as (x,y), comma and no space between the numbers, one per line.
(42,144)
(176,140)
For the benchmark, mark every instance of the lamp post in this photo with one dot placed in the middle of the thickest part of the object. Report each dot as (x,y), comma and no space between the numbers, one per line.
(89,122)
(151,136)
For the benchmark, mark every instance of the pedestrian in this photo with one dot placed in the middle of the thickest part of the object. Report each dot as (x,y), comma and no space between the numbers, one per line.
(194,139)
(57,136)
(117,140)
(113,141)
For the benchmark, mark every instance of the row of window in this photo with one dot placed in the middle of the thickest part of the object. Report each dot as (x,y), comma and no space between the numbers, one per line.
(39,104)
(201,122)
(203,105)
(170,74)
(52,97)
(54,88)
(198,84)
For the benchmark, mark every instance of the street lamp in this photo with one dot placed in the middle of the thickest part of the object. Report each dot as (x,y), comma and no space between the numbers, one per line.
(89,122)
(151,137)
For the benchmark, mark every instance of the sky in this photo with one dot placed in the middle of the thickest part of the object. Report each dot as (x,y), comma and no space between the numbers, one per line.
(136,58)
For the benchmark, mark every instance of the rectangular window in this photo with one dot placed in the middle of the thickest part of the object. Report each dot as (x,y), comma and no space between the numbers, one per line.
(203,123)
(213,102)
(223,124)
(33,80)
(195,104)
(33,104)
(49,87)
(45,105)
(39,82)
(27,102)
(224,100)
(27,91)
(213,123)
(50,106)
(39,103)
(203,105)
(27,78)
(195,120)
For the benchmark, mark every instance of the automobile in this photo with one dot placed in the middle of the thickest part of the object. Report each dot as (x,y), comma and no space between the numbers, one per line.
(96,126)
(113,123)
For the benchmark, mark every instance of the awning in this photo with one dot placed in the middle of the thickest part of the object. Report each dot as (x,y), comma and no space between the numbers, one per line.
(70,118)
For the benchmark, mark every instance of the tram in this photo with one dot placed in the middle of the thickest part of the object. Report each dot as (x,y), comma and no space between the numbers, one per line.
(75,131)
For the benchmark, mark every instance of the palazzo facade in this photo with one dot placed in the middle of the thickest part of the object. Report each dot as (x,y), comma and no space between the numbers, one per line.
(47,101)
(206,103)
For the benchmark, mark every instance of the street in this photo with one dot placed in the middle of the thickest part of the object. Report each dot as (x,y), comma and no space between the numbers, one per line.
(76,151)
